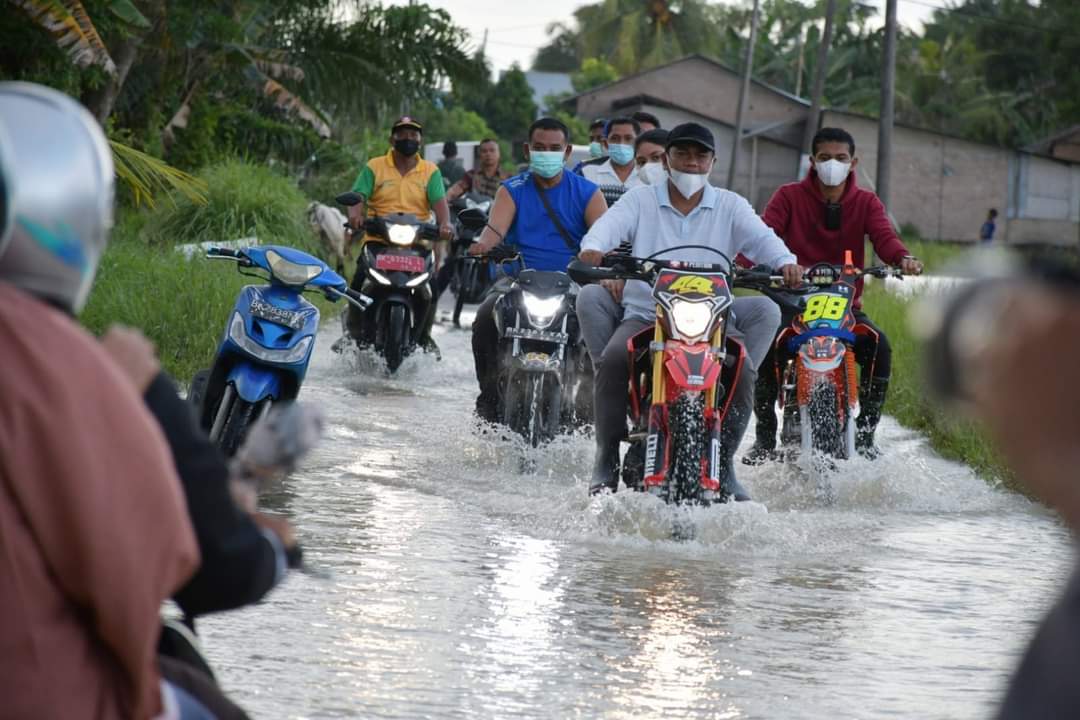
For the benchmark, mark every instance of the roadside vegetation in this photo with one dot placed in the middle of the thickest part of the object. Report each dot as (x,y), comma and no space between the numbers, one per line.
(182,305)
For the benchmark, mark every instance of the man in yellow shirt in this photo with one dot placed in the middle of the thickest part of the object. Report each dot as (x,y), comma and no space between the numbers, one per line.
(401,182)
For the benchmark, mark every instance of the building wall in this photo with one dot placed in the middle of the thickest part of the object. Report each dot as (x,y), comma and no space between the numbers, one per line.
(945,186)
(698,85)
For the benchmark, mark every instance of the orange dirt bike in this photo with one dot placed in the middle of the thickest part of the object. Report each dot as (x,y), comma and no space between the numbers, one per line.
(819,388)
(682,372)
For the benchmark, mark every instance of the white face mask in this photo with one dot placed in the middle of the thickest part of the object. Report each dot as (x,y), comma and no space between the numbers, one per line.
(833,172)
(688,183)
(652,173)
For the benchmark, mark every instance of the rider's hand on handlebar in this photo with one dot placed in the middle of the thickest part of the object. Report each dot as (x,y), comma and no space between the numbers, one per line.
(793,274)
(133,353)
(446,232)
(911,265)
(480,248)
(615,287)
(591,257)
(277,525)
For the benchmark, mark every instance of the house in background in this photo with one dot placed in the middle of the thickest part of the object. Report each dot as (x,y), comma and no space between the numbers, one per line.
(941,185)
(546,84)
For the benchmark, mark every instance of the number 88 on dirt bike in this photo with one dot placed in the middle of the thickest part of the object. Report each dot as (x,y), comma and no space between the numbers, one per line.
(819,381)
(683,372)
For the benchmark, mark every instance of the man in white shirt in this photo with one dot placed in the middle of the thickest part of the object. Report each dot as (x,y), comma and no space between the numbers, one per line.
(685,210)
(616,173)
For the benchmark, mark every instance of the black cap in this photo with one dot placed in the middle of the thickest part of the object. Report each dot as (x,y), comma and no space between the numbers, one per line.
(691,132)
(406,121)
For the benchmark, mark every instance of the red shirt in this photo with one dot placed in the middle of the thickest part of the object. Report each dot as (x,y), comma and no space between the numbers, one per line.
(796,212)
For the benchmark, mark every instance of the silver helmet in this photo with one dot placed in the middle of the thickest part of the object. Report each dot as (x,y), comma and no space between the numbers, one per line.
(61,198)
(5,191)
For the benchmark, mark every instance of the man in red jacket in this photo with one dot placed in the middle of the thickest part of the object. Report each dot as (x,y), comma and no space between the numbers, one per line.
(819,219)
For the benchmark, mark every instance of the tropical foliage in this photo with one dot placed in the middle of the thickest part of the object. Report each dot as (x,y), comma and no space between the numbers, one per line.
(186,83)
(999,71)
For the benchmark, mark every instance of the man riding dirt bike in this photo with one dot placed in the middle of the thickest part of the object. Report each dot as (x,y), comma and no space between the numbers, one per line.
(819,219)
(398,182)
(683,211)
(543,213)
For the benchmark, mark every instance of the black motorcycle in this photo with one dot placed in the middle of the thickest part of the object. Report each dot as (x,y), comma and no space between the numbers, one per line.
(468,276)
(396,273)
(545,375)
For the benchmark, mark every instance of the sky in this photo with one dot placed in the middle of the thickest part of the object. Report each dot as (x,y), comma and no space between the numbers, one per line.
(516,29)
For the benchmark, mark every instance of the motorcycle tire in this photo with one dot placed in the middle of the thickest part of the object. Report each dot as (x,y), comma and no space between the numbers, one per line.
(241,415)
(633,466)
(397,337)
(530,409)
(197,389)
(686,426)
(826,425)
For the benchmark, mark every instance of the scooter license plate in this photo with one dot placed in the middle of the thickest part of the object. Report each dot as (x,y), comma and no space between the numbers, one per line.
(266,311)
(400,263)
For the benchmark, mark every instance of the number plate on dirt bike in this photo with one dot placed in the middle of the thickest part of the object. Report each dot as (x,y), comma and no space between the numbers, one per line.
(542,335)
(279,316)
(400,263)
(825,310)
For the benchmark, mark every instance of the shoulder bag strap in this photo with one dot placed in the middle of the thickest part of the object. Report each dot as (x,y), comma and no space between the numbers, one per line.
(555,218)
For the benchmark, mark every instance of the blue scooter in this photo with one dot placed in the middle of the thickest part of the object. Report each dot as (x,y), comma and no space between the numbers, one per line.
(267,344)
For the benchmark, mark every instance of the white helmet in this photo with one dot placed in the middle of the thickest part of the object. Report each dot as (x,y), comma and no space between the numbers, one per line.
(60,194)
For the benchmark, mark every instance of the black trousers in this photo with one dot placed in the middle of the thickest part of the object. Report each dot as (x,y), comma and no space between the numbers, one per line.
(485,347)
(872,352)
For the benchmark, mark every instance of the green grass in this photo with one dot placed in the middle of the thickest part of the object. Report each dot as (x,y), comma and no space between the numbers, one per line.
(951,437)
(244,200)
(183,305)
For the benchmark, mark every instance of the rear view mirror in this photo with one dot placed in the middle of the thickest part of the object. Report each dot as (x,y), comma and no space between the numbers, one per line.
(473,219)
(349,199)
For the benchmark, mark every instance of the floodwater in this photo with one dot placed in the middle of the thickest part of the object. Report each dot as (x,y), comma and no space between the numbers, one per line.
(456,584)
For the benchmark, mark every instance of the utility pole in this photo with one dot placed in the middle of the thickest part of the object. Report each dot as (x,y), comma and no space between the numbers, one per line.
(888,92)
(818,91)
(744,95)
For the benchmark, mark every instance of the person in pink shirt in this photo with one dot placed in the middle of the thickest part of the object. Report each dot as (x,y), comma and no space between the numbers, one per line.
(94,531)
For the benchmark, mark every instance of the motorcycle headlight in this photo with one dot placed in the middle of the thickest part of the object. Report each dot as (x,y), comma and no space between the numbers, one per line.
(289,272)
(401,234)
(691,319)
(286,356)
(541,310)
(418,280)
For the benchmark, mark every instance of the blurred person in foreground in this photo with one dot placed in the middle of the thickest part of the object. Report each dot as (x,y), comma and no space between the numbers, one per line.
(1018,388)
(93,525)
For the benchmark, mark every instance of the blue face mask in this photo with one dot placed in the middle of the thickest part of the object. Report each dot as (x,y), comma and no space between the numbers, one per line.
(596,149)
(621,154)
(546,164)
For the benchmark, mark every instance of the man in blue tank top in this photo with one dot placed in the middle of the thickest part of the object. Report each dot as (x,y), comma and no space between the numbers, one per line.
(546,241)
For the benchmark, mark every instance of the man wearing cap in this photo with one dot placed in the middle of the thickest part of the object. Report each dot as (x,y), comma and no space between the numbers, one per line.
(615,173)
(684,210)
(400,182)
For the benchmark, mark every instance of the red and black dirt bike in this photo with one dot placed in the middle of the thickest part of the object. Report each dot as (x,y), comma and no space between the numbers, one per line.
(819,382)
(682,372)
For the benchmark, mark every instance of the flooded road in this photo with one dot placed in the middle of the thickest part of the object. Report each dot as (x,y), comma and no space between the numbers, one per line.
(462,587)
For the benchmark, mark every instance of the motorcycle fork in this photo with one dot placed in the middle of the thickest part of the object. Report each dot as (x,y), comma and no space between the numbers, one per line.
(656,439)
(711,479)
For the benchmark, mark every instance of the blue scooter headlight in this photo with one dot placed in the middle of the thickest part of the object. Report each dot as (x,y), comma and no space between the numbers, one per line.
(238,334)
(289,272)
